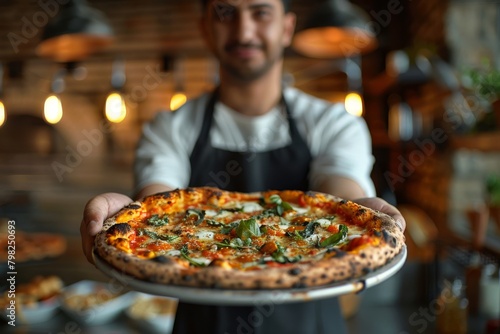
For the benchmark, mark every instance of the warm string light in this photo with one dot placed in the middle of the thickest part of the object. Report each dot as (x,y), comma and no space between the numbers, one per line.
(2,113)
(354,104)
(53,110)
(177,101)
(115,109)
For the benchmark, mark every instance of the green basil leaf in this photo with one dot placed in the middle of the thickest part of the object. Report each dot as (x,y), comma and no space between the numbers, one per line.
(231,210)
(228,227)
(309,230)
(156,236)
(295,234)
(335,238)
(200,215)
(166,237)
(276,199)
(155,220)
(280,257)
(286,206)
(263,229)
(281,206)
(234,243)
(185,255)
(248,228)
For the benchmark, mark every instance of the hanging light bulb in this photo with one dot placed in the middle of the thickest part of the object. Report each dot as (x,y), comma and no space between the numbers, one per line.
(2,113)
(2,106)
(53,110)
(179,97)
(354,104)
(116,109)
(178,100)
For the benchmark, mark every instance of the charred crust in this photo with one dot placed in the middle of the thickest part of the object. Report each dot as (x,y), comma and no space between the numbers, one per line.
(389,239)
(151,278)
(162,259)
(362,255)
(215,285)
(187,278)
(338,253)
(133,206)
(299,285)
(295,271)
(366,270)
(166,194)
(377,233)
(217,193)
(119,229)
(360,212)
(352,264)
(344,201)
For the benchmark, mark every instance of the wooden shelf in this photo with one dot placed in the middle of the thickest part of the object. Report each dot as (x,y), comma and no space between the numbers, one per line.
(488,142)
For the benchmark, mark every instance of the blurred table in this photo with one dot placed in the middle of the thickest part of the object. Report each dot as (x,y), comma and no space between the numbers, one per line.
(71,267)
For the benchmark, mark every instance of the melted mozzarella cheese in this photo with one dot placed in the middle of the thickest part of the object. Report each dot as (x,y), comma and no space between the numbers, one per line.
(298,209)
(210,213)
(324,223)
(173,252)
(205,235)
(251,207)
(202,260)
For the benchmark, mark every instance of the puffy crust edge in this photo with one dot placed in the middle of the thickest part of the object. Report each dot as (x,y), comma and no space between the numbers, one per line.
(337,266)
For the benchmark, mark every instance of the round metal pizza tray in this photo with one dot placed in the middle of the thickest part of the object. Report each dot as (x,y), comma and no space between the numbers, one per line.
(255,297)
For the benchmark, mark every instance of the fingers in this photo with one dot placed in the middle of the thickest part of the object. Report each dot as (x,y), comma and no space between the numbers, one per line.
(382,206)
(96,211)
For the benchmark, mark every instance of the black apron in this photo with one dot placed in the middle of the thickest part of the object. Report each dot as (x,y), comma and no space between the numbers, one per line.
(283,168)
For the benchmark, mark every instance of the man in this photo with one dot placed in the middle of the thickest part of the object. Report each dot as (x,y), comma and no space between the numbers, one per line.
(251,134)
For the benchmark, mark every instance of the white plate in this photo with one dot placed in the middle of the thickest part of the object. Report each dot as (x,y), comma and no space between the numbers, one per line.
(100,313)
(152,323)
(36,313)
(250,297)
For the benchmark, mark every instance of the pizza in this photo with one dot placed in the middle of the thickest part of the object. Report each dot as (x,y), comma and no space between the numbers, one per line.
(207,237)
(31,246)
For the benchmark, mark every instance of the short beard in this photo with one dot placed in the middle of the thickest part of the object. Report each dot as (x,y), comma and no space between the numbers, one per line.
(248,75)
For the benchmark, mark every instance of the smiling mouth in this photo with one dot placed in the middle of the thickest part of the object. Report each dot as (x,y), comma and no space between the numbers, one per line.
(243,50)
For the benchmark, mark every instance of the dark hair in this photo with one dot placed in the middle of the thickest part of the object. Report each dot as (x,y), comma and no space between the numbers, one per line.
(286,4)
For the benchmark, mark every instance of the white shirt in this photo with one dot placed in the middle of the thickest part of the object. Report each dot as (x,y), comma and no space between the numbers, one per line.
(339,143)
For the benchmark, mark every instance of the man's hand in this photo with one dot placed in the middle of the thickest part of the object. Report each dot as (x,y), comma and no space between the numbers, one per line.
(382,206)
(96,211)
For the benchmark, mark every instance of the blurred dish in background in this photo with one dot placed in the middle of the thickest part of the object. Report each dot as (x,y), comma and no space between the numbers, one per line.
(31,246)
(34,302)
(153,313)
(94,303)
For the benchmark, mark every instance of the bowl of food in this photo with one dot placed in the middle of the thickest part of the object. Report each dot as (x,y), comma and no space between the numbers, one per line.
(152,314)
(33,302)
(94,303)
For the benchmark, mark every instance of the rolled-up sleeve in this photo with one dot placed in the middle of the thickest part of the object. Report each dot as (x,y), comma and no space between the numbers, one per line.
(161,154)
(343,148)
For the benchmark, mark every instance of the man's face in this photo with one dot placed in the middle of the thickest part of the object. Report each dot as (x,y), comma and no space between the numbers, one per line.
(247,36)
